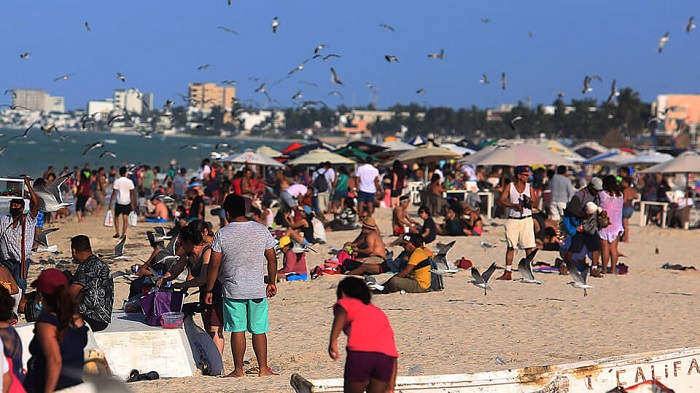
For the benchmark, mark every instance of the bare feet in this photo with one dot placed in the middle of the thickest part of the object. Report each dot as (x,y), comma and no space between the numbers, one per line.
(235,374)
(267,372)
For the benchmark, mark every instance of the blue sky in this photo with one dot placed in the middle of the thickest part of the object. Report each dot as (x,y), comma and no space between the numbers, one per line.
(158,46)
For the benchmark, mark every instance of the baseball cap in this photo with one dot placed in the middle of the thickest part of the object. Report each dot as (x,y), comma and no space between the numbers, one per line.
(369,223)
(49,281)
(523,170)
(413,238)
(284,240)
(307,209)
(597,184)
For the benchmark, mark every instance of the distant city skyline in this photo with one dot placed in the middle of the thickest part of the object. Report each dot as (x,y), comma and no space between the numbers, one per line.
(544,47)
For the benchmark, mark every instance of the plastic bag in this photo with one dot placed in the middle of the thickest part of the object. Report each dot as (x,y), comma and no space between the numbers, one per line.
(133,219)
(109,219)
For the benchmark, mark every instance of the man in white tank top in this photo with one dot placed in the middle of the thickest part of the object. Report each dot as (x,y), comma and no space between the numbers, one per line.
(519,226)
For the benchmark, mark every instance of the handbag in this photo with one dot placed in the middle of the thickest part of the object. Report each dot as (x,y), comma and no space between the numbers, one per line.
(133,219)
(603,220)
(109,219)
(156,303)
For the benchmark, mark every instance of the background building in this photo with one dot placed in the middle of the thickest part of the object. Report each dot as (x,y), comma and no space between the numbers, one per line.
(132,100)
(38,100)
(205,96)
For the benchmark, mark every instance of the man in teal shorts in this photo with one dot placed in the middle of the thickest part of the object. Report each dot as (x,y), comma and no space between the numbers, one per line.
(240,251)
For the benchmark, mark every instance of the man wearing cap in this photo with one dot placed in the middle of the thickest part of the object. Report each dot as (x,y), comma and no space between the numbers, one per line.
(401,220)
(91,285)
(415,277)
(520,228)
(17,236)
(588,237)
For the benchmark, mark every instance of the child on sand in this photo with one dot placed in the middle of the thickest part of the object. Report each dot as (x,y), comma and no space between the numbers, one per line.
(371,351)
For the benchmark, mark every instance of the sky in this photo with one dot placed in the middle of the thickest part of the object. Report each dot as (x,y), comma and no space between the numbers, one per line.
(158,46)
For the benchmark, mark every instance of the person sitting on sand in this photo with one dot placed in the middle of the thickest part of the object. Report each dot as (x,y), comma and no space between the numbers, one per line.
(347,219)
(369,250)
(415,277)
(472,221)
(160,213)
(301,228)
(293,263)
(428,230)
(401,220)
(453,225)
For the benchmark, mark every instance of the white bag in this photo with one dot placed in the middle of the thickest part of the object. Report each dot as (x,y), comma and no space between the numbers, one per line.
(109,219)
(133,219)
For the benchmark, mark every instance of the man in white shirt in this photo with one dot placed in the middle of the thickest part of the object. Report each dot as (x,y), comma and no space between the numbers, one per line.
(323,196)
(367,180)
(122,190)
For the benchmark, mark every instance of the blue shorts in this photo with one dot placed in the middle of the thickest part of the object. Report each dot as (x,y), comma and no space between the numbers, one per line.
(241,315)
(39,220)
(627,212)
(365,197)
(340,194)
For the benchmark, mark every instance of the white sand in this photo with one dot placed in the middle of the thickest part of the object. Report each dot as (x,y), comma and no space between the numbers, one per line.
(459,330)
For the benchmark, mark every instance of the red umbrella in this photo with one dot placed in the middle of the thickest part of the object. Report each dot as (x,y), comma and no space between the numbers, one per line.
(292,147)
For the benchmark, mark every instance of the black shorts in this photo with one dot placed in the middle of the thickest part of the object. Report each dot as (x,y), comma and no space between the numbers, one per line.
(396,193)
(80,204)
(121,209)
(580,239)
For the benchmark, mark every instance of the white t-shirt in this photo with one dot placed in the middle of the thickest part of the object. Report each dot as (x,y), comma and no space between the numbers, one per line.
(367,173)
(123,187)
(203,172)
(296,190)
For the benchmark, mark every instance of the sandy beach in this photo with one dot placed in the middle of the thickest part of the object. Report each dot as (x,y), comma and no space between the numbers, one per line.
(458,330)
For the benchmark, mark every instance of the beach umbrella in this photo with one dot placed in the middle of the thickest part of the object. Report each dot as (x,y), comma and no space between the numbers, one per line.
(648,158)
(315,157)
(427,153)
(293,146)
(688,162)
(458,149)
(513,153)
(397,146)
(560,149)
(252,158)
(418,140)
(268,151)
(614,157)
(590,149)
(354,153)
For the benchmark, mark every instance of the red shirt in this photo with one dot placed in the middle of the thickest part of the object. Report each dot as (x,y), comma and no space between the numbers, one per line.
(294,263)
(367,328)
(236,185)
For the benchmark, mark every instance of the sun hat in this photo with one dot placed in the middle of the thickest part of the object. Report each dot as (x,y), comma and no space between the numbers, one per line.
(49,281)
(369,223)
(284,240)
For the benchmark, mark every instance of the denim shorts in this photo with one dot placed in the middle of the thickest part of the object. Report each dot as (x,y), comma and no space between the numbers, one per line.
(365,197)
(627,212)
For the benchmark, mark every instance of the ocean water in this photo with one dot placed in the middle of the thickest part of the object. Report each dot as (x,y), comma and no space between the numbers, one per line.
(33,154)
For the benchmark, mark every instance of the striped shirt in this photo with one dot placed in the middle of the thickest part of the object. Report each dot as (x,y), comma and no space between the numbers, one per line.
(11,238)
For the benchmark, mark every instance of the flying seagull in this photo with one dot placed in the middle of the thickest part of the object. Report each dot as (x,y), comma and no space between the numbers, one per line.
(50,199)
(587,83)
(203,67)
(261,88)
(87,26)
(442,266)
(613,91)
(297,95)
(334,77)
(511,122)
(579,278)
(108,153)
(484,79)
(326,57)
(92,147)
(192,147)
(227,29)
(482,280)
(525,269)
(438,55)
(24,55)
(420,91)
(62,77)
(26,131)
(662,41)
(337,93)
(275,24)
(121,77)
(503,80)
(388,27)
(319,47)
(391,58)
(690,25)
(484,20)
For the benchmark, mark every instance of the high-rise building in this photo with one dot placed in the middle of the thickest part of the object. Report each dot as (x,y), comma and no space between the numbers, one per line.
(209,95)
(38,100)
(130,100)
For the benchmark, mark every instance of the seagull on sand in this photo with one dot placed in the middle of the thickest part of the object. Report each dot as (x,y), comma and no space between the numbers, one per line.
(334,77)
(388,27)
(482,280)
(372,284)
(485,245)
(440,260)
(391,58)
(42,237)
(92,147)
(438,55)
(613,91)
(525,269)
(50,199)
(662,41)
(579,278)
(119,250)
(690,25)
(275,24)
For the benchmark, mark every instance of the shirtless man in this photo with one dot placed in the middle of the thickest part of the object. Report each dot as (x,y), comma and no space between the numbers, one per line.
(160,212)
(369,249)
(400,217)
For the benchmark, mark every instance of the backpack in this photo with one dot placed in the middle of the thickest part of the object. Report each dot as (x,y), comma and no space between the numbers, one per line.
(321,183)
(436,283)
